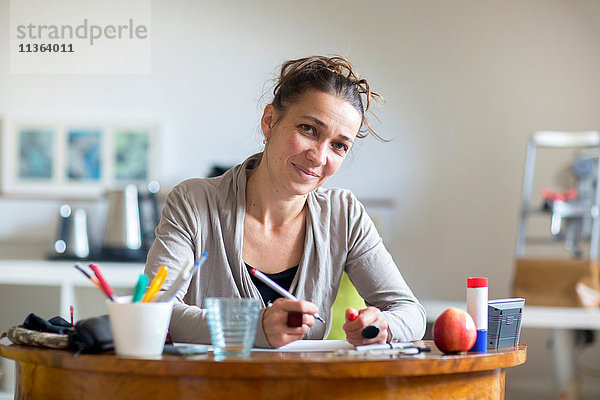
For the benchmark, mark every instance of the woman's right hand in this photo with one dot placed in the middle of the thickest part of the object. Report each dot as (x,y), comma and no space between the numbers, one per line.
(275,320)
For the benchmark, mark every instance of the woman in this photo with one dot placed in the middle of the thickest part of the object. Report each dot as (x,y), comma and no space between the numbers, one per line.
(271,213)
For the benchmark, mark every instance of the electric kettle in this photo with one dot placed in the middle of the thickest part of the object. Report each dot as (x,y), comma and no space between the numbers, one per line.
(132,217)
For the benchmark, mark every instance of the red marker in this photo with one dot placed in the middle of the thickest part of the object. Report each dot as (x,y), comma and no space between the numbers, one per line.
(105,286)
(352,316)
(369,332)
(71,309)
(91,278)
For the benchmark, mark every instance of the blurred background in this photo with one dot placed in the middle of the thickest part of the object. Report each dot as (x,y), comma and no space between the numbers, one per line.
(466,82)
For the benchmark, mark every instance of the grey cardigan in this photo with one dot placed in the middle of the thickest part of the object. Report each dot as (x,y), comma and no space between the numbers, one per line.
(208,215)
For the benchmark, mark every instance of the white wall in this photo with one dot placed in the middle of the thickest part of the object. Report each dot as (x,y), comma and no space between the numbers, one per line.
(466,83)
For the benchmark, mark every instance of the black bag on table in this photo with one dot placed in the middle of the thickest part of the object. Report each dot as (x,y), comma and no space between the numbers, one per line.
(92,335)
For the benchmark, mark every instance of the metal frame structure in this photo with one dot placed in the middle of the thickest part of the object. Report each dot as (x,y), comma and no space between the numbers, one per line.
(566,140)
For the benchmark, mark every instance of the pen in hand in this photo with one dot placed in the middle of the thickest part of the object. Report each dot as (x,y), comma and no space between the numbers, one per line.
(269,282)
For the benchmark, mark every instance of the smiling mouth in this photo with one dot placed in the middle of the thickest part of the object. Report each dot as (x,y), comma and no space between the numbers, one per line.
(304,173)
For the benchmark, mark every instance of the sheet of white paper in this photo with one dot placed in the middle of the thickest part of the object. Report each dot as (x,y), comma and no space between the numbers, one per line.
(312,346)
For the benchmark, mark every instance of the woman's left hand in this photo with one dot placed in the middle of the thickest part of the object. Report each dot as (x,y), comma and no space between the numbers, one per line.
(356,321)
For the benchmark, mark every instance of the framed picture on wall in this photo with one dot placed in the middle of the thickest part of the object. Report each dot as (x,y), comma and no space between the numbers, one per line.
(75,159)
(35,153)
(83,154)
(132,154)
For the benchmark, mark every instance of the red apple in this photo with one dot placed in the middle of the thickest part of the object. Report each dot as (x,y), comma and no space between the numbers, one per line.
(454,331)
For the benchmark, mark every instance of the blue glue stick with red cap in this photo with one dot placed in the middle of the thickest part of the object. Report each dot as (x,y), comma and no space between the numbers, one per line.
(477,307)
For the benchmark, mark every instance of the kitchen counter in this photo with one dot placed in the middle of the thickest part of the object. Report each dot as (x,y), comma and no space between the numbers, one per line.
(62,274)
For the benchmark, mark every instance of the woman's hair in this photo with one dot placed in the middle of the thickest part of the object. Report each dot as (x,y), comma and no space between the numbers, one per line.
(331,75)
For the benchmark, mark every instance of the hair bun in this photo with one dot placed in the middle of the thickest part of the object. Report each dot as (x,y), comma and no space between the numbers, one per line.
(333,75)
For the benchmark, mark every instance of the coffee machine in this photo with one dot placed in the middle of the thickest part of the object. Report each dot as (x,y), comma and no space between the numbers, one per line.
(71,240)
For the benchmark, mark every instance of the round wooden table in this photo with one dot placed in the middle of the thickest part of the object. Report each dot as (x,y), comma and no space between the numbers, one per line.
(56,374)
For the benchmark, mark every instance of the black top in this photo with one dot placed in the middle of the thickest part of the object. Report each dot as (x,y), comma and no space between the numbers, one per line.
(283,279)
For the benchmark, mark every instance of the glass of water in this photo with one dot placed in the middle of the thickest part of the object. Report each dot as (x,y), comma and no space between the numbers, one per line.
(232,323)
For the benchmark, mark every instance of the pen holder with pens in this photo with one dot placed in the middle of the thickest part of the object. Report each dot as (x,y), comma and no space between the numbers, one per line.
(139,329)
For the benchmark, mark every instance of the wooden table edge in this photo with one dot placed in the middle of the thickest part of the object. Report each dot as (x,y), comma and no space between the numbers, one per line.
(278,365)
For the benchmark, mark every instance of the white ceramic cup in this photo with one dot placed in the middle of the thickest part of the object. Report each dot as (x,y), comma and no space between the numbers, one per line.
(139,329)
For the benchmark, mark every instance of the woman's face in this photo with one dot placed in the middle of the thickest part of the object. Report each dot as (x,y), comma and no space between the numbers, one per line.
(308,143)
